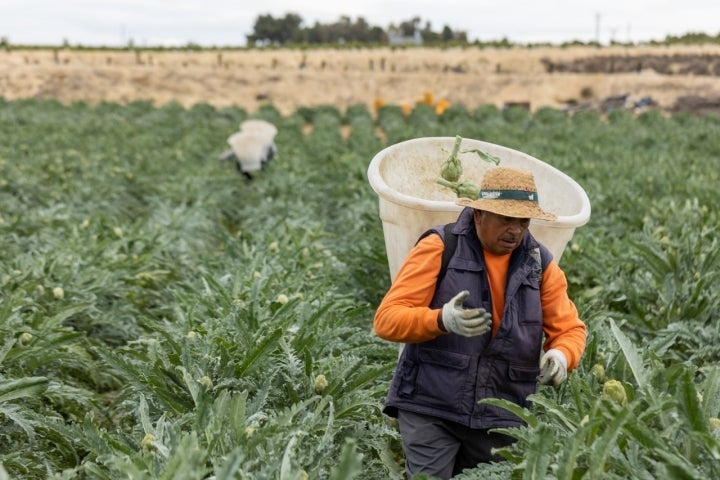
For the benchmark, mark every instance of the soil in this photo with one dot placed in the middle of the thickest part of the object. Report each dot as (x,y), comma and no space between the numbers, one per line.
(666,78)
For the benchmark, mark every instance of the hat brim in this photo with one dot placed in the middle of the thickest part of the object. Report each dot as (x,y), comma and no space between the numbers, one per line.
(508,208)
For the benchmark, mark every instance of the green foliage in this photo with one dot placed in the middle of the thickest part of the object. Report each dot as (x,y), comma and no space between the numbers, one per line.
(423,118)
(392,121)
(162,317)
(516,114)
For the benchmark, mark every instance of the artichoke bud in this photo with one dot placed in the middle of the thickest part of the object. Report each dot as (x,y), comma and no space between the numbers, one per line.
(714,423)
(614,390)
(451,169)
(205,380)
(467,190)
(148,442)
(321,384)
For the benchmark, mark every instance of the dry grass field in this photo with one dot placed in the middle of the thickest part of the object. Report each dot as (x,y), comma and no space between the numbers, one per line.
(292,78)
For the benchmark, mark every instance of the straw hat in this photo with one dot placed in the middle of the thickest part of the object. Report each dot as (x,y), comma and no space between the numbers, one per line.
(510,192)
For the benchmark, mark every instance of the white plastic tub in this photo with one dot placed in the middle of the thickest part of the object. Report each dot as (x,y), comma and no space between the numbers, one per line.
(403,175)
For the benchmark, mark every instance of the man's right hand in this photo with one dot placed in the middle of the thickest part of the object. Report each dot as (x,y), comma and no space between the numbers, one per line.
(467,322)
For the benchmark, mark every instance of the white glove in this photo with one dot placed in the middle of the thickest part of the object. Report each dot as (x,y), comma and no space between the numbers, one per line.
(467,322)
(553,368)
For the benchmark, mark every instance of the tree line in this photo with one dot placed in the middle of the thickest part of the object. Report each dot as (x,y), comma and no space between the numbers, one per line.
(290,29)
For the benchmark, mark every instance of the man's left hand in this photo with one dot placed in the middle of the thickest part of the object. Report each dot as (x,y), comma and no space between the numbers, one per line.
(553,368)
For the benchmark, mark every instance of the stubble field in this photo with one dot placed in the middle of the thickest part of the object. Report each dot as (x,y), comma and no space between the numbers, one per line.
(289,78)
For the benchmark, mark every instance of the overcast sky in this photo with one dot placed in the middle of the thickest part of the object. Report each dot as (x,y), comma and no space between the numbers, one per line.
(227,22)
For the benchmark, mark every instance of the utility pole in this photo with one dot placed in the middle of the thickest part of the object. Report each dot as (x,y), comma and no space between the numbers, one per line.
(597,28)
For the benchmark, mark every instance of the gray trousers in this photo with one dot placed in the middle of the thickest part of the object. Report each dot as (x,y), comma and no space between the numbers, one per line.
(442,448)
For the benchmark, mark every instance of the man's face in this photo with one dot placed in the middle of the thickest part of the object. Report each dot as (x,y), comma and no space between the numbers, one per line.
(499,234)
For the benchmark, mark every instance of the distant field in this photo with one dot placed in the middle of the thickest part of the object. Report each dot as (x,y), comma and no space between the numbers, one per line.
(288,79)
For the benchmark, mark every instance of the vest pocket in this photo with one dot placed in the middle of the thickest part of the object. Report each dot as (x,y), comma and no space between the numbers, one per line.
(523,380)
(441,378)
(523,373)
(408,375)
(532,312)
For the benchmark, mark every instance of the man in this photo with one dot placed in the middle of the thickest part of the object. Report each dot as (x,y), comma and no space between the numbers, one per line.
(476,331)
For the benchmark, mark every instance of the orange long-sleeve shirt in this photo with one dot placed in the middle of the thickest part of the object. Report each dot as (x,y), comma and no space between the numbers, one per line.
(404,314)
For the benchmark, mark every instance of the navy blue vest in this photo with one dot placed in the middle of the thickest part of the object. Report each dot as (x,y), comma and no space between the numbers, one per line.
(445,377)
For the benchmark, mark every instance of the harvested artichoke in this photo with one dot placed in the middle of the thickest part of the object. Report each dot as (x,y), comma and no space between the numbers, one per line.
(451,170)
